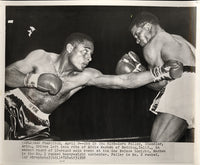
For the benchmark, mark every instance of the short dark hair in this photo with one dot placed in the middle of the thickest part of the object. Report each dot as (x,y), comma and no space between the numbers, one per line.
(77,38)
(144,17)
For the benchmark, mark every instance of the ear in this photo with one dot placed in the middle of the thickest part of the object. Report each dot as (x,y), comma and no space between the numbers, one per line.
(148,26)
(69,47)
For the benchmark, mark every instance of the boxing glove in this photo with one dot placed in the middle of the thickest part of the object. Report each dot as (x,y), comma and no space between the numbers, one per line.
(46,82)
(130,62)
(169,71)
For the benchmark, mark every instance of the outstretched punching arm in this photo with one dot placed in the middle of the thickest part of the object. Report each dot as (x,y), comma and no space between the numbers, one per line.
(124,81)
(130,62)
(171,70)
(125,78)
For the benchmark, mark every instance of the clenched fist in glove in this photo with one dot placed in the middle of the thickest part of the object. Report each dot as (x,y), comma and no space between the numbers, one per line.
(171,70)
(46,82)
(130,62)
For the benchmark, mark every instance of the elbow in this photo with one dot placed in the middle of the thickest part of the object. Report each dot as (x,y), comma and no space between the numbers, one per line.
(7,77)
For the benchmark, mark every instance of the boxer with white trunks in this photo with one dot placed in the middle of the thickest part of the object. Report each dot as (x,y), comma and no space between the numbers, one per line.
(175,108)
(175,98)
(174,104)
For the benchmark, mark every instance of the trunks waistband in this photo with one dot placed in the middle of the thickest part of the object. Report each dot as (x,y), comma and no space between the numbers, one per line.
(33,108)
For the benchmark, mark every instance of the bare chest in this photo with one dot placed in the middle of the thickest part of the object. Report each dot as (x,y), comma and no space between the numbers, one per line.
(44,66)
(45,101)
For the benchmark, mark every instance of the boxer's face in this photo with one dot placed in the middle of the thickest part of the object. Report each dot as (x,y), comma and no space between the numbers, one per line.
(141,34)
(81,55)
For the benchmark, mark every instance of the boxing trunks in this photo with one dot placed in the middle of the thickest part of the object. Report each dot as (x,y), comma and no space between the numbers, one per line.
(177,98)
(25,120)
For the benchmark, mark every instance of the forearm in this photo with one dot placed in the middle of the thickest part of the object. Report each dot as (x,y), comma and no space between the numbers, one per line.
(171,70)
(124,81)
(157,85)
(14,78)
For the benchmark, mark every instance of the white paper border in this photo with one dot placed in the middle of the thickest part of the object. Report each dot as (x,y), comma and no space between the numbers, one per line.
(100,3)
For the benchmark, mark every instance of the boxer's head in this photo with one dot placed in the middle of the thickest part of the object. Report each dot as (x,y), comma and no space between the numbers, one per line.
(143,26)
(79,48)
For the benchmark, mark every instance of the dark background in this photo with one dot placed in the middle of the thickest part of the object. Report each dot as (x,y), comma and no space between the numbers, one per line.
(93,112)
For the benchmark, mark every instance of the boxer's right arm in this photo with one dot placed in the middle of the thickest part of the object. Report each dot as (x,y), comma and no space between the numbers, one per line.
(17,71)
(45,82)
(22,74)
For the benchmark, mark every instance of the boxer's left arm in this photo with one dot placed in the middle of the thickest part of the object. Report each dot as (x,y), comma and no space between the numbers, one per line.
(170,70)
(123,81)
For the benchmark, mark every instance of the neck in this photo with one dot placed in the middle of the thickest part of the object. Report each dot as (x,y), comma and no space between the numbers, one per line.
(157,29)
(62,64)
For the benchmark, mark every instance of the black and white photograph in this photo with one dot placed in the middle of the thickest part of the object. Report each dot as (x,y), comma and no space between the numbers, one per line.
(100,73)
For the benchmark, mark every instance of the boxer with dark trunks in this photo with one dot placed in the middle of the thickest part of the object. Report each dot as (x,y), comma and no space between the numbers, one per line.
(174,104)
(44,80)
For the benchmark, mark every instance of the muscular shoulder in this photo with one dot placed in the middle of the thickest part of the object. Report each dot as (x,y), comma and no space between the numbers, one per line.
(162,38)
(35,54)
(39,56)
(156,43)
(170,40)
(91,72)
(172,47)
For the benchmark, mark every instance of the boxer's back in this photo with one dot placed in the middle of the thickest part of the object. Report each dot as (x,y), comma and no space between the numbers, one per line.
(187,54)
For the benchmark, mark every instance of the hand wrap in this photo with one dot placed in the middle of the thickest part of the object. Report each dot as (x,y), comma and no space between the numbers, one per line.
(169,71)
